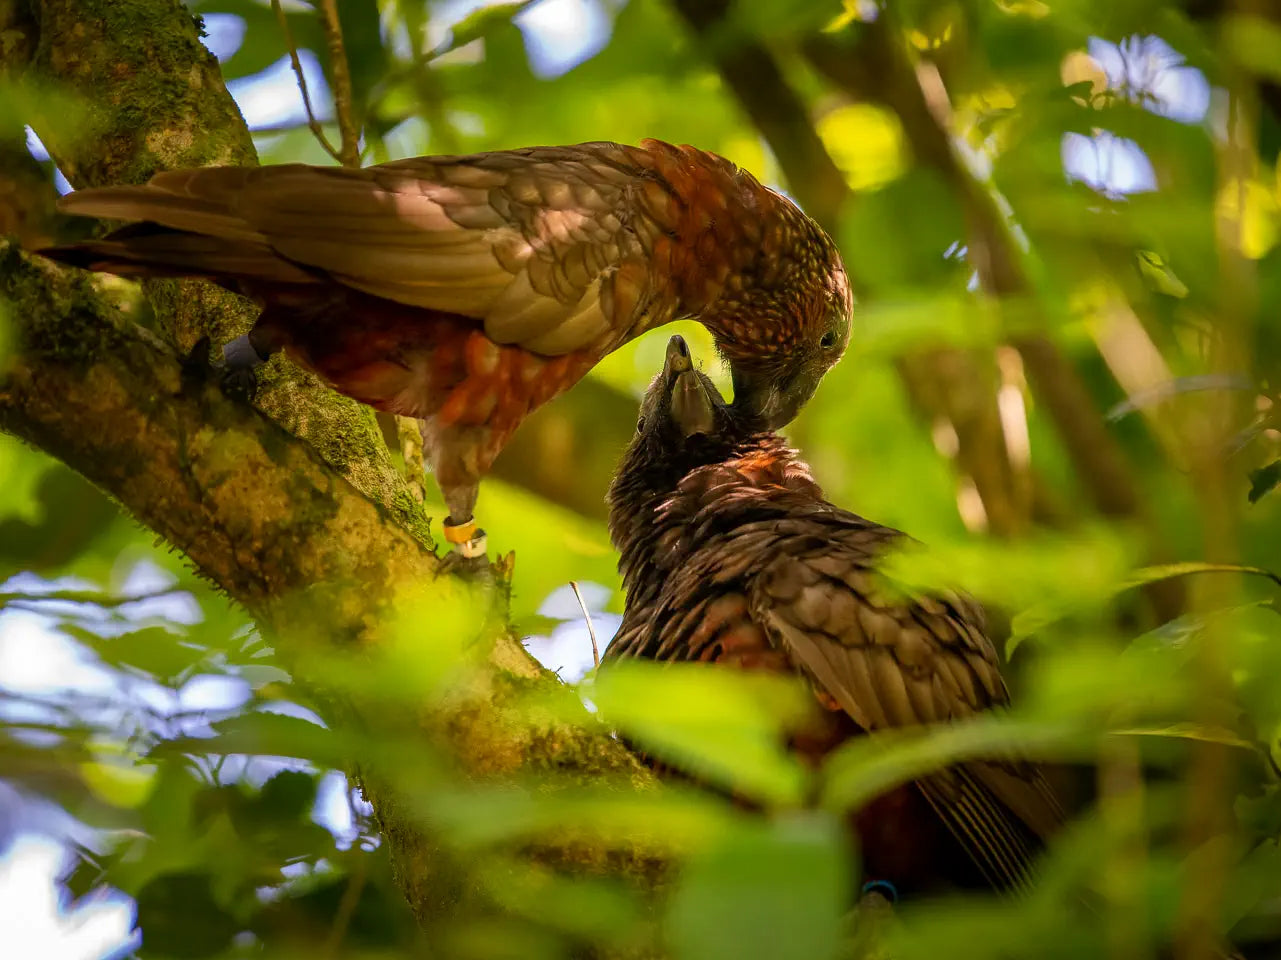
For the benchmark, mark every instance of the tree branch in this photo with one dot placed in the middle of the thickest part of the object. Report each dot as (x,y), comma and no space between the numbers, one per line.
(318,564)
(754,77)
(319,561)
(871,63)
(155,100)
(340,72)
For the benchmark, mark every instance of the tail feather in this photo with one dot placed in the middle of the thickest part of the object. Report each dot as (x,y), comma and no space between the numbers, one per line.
(147,251)
(999,827)
(155,204)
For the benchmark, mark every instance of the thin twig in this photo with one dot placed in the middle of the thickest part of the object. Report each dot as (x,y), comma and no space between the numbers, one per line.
(753,75)
(346,908)
(591,630)
(1208,814)
(312,123)
(340,73)
(84,596)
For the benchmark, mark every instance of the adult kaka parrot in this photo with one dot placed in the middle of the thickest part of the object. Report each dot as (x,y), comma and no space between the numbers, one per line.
(730,554)
(468,290)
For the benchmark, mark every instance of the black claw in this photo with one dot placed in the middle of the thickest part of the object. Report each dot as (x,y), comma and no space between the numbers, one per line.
(199,367)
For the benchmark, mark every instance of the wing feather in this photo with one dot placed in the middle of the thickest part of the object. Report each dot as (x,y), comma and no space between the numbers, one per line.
(522,241)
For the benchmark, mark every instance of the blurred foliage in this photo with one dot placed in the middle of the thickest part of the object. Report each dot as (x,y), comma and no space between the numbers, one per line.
(1132,147)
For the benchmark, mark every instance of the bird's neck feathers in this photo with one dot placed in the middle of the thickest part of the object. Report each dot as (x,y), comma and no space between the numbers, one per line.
(715,222)
(662,490)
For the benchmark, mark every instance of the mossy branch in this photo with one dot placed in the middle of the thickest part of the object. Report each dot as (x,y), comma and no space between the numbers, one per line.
(317,537)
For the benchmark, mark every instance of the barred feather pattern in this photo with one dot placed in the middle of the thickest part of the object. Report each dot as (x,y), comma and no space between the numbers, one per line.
(468,290)
(730,554)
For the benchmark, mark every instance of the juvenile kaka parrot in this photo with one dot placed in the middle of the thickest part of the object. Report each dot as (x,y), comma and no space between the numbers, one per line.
(466,291)
(730,554)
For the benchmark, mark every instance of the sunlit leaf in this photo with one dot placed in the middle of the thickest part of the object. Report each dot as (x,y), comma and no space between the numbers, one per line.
(1075,570)
(600,910)
(120,784)
(867,144)
(868,766)
(666,820)
(724,726)
(1250,210)
(1255,41)
(21,470)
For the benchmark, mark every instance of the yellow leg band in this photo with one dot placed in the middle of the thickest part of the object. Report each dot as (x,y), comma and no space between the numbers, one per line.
(460,533)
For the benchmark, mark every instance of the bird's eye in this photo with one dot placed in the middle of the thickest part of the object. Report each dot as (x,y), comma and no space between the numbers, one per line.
(640,425)
(828,340)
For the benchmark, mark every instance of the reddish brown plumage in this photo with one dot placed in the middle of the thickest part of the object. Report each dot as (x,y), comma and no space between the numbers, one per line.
(730,554)
(468,290)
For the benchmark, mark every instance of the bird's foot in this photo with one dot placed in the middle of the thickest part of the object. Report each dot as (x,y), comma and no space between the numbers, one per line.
(468,559)
(240,383)
(235,372)
(240,362)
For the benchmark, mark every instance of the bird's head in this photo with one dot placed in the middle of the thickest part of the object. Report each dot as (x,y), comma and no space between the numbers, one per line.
(683,423)
(682,405)
(782,324)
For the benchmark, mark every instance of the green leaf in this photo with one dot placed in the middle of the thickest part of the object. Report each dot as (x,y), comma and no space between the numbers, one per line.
(264,734)
(179,917)
(774,894)
(157,650)
(1264,480)
(1190,731)
(869,766)
(264,43)
(671,819)
(586,907)
(69,517)
(288,795)
(1256,42)
(480,23)
(1030,621)
(722,726)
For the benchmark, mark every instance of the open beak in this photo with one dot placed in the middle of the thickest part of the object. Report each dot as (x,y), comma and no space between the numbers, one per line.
(692,407)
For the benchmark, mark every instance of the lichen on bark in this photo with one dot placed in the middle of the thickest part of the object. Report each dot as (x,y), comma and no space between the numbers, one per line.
(153,99)
(321,566)
(319,540)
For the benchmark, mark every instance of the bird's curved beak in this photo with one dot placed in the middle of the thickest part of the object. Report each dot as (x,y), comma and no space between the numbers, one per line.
(692,408)
(772,404)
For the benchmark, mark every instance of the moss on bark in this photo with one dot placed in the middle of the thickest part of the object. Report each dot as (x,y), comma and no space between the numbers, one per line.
(319,564)
(154,99)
